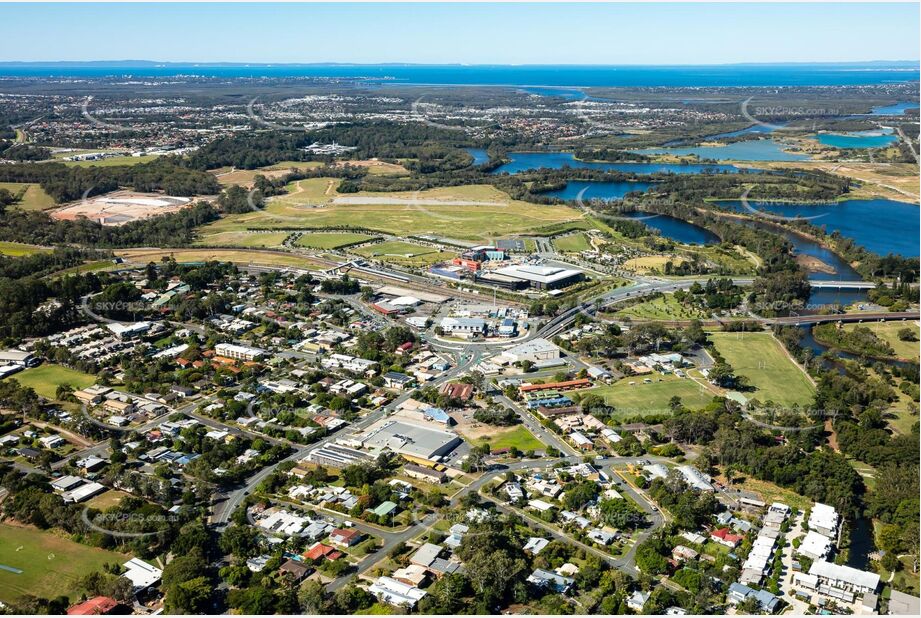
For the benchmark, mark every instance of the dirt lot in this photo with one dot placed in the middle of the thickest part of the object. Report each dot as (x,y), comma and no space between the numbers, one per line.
(121,207)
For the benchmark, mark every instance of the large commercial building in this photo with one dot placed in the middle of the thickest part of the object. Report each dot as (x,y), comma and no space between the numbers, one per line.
(337,456)
(408,439)
(536,351)
(541,277)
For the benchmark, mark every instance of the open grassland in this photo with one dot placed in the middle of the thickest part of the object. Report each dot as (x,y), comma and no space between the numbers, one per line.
(406,253)
(651,263)
(15,249)
(663,308)
(237,256)
(572,243)
(321,240)
(769,369)
(50,564)
(897,181)
(243,239)
(246,178)
(33,196)
(46,378)
(484,212)
(889,332)
(652,398)
(518,437)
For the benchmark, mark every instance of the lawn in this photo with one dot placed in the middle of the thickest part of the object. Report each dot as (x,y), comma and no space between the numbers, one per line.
(263,258)
(769,369)
(889,332)
(15,249)
(33,197)
(573,243)
(330,241)
(50,564)
(244,239)
(662,308)
(518,437)
(46,378)
(484,212)
(652,398)
(404,253)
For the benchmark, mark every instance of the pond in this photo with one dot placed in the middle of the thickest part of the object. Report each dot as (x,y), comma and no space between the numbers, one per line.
(676,229)
(859,139)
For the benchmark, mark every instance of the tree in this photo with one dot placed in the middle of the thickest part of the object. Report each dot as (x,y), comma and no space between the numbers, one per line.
(241,541)
(190,597)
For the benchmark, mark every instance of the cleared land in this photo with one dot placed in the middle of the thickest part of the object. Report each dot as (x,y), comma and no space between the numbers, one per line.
(663,308)
(237,256)
(121,207)
(769,369)
(652,398)
(33,196)
(15,249)
(50,564)
(889,332)
(246,178)
(518,437)
(309,204)
(45,379)
(896,181)
(330,241)
(572,243)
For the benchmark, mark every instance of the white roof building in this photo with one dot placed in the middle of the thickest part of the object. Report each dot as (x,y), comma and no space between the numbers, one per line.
(142,574)
(823,519)
(396,592)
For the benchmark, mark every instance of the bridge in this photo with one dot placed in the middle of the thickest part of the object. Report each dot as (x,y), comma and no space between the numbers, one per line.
(802,320)
(841,285)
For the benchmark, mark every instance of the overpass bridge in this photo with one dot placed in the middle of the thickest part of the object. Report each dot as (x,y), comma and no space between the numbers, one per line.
(841,285)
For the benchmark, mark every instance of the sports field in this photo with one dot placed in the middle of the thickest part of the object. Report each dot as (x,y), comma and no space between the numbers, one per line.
(50,564)
(762,359)
(15,249)
(467,212)
(46,378)
(330,241)
(237,256)
(34,197)
(518,436)
(640,398)
(572,243)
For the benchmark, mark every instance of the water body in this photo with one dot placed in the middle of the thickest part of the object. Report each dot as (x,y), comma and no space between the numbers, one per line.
(882,226)
(897,109)
(859,139)
(479,155)
(676,229)
(569,94)
(751,150)
(823,74)
(525,161)
(598,190)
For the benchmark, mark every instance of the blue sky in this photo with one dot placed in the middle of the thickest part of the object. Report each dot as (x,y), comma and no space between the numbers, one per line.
(455,33)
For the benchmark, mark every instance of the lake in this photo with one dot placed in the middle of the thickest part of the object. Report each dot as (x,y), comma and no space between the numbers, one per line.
(750,150)
(882,226)
(897,109)
(479,155)
(858,139)
(598,190)
(676,229)
(525,161)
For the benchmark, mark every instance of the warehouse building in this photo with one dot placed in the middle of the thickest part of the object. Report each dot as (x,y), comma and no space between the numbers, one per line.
(542,277)
(536,351)
(337,456)
(409,439)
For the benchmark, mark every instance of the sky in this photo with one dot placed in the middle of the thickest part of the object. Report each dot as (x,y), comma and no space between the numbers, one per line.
(462,33)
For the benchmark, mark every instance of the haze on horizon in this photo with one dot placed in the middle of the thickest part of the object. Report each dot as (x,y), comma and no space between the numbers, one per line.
(602,34)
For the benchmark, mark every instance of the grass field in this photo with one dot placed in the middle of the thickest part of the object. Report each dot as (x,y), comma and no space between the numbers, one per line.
(889,332)
(330,241)
(15,249)
(651,263)
(572,243)
(237,256)
(406,253)
(112,161)
(492,215)
(244,239)
(34,197)
(762,359)
(663,308)
(50,564)
(46,378)
(246,177)
(650,398)
(518,437)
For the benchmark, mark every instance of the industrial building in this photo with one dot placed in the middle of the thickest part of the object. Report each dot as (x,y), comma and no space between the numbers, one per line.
(408,439)
(337,456)
(535,351)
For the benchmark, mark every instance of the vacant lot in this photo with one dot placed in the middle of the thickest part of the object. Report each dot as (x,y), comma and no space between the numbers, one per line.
(50,564)
(237,256)
(653,398)
(773,374)
(518,437)
(15,249)
(33,196)
(330,241)
(488,213)
(45,379)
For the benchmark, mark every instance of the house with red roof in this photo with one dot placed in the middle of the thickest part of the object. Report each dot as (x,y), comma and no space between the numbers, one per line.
(97,606)
(345,537)
(318,551)
(726,537)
